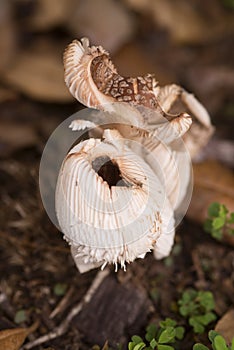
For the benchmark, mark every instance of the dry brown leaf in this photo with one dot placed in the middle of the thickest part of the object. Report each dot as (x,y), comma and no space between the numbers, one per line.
(187,23)
(39,74)
(213,182)
(104,22)
(50,14)
(12,339)
(225,326)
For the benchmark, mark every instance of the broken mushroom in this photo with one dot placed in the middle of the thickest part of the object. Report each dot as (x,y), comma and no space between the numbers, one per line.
(120,192)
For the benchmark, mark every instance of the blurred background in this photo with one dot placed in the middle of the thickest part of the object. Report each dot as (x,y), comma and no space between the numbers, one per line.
(190,43)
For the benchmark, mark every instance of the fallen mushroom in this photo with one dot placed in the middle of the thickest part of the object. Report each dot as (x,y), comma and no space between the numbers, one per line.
(119,192)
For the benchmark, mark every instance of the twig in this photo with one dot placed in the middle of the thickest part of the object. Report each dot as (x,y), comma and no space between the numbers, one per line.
(62,304)
(198,268)
(62,328)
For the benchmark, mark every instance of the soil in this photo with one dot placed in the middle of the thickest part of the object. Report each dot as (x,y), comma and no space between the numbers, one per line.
(34,258)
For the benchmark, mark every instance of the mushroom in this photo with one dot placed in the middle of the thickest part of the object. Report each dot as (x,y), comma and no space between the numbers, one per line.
(94,81)
(120,193)
(110,205)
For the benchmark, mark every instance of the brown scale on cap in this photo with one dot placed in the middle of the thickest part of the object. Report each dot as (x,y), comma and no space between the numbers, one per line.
(94,81)
(133,90)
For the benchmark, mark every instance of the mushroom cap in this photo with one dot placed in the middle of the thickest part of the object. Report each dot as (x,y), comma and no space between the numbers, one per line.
(113,220)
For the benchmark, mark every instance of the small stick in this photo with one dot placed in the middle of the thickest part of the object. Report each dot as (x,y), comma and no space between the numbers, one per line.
(62,328)
(198,268)
(62,304)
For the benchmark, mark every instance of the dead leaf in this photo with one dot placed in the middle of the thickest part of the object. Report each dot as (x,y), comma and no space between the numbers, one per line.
(213,182)
(225,326)
(12,339)
(39,74)
(49,14)
(187,23)
(104,22)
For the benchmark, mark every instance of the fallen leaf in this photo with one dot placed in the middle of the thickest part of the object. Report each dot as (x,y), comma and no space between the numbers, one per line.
(187,23)
(39,74)
(225,326)
(105,22)
(49,14)
(213,182)
(12,339)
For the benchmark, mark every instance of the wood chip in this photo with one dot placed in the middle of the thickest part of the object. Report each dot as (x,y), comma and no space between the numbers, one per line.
(114,310)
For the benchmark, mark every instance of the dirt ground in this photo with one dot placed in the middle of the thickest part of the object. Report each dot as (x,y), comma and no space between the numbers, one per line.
(188,44)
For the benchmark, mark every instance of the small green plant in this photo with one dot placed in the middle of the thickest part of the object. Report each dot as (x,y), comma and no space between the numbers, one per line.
(60,289)
(219,219)
(158,337)
(197,306)
(217,341)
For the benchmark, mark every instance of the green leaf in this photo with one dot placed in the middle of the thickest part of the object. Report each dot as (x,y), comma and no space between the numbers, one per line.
(212,334)
(200,346)
(223,211)
(213,210)
(20,316)
(232,346)
(218,223)
(207,318)
(165,347)
(136,345)
(153,343)
(151,332)
(136,339)
(197,326)
(220,343)
(231,219)
(60,289)
(208,225)
(167,335)
(217,234)
(139,346)
(206,299)
(179,332)
(168,322)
